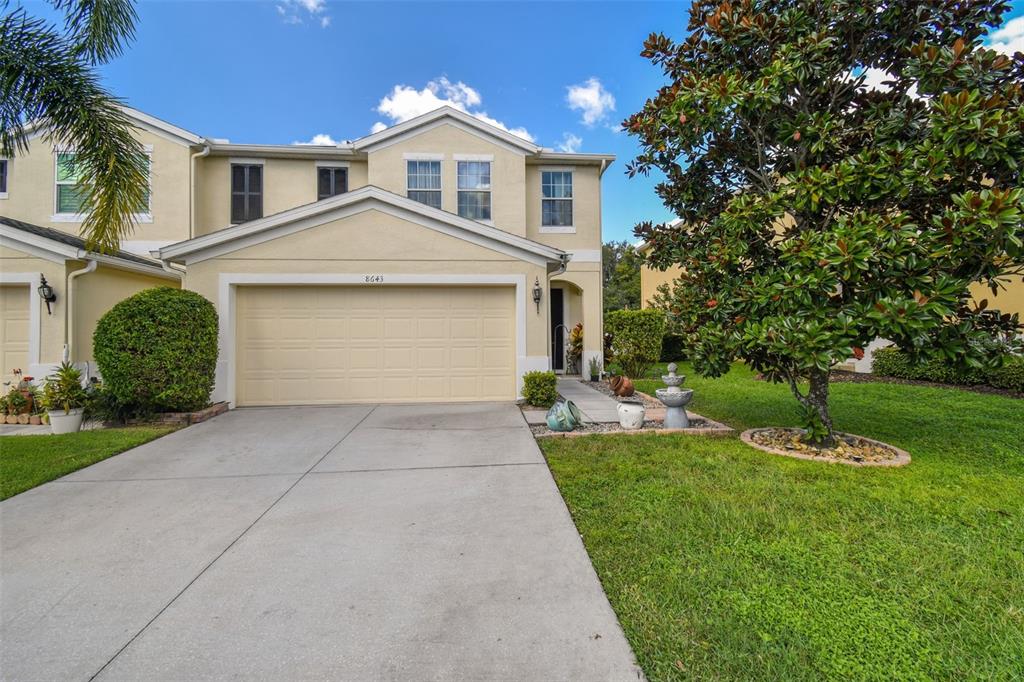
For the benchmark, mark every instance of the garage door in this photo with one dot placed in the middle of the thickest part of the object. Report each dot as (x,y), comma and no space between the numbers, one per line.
(13,329)
(319,345)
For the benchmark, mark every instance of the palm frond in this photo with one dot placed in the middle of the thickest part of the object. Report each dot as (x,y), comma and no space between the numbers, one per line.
(47,80)
(100,28)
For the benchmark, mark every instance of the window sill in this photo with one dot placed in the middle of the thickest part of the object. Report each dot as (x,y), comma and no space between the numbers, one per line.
(142,218)
(557,229)
(3,195)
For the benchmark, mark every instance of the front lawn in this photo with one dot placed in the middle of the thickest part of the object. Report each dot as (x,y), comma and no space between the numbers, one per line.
(28,461)
(724,562)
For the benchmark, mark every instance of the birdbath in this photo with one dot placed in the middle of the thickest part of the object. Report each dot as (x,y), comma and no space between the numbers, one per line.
(675,399)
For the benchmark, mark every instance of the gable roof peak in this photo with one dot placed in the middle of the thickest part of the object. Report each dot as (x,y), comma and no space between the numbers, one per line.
(432,117)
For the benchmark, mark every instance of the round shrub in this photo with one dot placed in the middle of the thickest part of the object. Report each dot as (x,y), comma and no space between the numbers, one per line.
(157,351)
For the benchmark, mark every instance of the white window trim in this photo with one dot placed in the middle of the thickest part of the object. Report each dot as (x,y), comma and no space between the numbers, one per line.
(424,157)
(332,164)
(489,159)
(228,283)
(556,229)
(4,194)
(58,217)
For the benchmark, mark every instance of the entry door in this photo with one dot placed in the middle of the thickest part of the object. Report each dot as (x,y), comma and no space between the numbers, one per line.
(299,345)
(558,330)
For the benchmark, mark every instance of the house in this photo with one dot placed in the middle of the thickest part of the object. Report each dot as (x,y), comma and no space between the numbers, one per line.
(437,260)
(1009,299)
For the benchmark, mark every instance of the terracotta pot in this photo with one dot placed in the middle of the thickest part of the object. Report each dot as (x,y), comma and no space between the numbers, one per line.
(622,386)
(35,420)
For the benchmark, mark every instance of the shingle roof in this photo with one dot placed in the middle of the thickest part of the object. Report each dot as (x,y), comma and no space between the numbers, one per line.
(70,240)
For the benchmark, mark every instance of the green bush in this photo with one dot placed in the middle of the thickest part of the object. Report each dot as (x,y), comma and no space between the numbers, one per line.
(539,388)
(157,351)
(673,348)
(892,362)
(636,338)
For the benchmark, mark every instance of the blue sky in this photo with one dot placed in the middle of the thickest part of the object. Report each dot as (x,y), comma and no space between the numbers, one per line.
(281,71)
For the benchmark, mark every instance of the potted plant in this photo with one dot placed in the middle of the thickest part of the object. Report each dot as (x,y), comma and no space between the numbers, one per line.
(65,399)
(575,349)
(594,369)
(16,404)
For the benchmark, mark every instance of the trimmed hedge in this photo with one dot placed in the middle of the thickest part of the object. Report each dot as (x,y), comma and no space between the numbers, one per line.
(157,351)
(540,388)
(636,338)
(892,362)
(673,348)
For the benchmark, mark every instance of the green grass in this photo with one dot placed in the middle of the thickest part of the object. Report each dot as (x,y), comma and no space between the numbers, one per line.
(724,562)
(28,461)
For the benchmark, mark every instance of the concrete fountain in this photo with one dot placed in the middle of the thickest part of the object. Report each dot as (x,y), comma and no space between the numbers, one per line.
(675,399)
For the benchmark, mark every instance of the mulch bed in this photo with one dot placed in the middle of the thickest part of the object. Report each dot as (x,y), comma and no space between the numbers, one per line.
(699,426)
(603,387)
(842,376)
(850,449)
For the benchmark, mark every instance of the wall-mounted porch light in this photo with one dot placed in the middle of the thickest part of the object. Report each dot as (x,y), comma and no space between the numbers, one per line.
(46,293)
(537,291)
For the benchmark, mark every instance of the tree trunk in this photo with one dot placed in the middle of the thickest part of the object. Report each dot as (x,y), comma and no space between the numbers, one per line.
(816,402)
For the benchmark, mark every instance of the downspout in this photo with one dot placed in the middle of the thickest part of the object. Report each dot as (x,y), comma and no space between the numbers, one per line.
(168,268)
(192,188)
(69,308)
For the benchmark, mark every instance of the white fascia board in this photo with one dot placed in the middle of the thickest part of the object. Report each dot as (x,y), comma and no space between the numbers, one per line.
(155,124)
(470,123)
(297,151)
(343,205)
(48,249)
(154,270)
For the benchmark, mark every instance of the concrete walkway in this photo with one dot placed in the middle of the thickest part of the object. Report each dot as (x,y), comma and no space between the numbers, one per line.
(422,542)
(595,406)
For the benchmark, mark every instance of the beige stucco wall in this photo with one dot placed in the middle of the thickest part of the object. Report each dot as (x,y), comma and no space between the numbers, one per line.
(51,327)
(586,209)
(96,293)
(31,189)
(1008,300)
(388,170)
(584,302)
(287,183)
(651,279)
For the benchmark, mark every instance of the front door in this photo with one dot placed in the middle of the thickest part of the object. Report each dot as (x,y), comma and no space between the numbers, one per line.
(557,330)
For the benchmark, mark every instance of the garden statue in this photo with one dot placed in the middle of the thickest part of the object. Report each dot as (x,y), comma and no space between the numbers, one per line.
(675,399)
(564,416)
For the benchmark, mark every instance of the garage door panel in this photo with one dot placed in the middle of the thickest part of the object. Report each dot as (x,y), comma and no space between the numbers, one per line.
(14,328)
(302,345)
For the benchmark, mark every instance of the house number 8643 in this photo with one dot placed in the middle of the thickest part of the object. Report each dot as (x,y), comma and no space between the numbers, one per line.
(374,279)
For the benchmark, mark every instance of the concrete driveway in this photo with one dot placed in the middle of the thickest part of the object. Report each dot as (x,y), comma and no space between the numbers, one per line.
(355,543)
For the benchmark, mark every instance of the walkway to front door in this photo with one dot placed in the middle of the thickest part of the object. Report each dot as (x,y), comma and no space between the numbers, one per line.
(397,542)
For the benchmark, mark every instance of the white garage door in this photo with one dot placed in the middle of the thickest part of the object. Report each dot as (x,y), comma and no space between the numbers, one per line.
(303,345)
(14,329)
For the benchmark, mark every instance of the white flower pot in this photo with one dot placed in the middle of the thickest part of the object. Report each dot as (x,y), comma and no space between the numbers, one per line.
(66,422)
(631,415)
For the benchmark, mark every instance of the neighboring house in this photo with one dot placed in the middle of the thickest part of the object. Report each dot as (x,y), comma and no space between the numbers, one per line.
(1008,300)
(438,259)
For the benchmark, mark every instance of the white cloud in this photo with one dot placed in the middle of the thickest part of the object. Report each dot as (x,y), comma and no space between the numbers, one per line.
(592,99)
(1009,38)
(405,102)
(298,11)
(570,143)
(320,139)
(874,79)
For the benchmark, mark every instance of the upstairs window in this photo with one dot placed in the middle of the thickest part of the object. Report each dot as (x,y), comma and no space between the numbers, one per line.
(556,202)
(3,177)
(474,183)
(71,193)
(424,184)
(246,192)
(331,182)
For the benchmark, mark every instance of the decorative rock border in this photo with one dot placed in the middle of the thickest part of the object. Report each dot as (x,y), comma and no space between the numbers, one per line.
(713,428)
(902,456)
(185,418)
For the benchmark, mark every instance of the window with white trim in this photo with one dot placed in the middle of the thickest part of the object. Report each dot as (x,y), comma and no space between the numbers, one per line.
(331,181)
(71,193)
(556,198)
(246,192)
(424,182)
(474,185)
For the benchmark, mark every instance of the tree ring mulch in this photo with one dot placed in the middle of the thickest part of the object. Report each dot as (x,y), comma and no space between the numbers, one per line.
(850,449)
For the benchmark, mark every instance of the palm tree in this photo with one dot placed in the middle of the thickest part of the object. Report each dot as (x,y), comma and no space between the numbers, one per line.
(48,84)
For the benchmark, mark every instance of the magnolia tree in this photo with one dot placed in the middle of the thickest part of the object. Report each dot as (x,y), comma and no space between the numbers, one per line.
(845,169)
